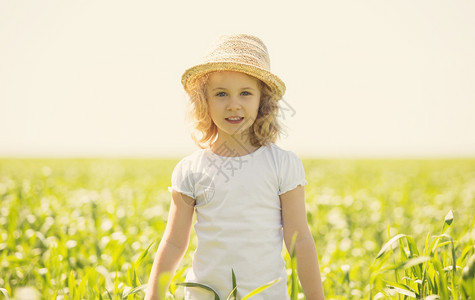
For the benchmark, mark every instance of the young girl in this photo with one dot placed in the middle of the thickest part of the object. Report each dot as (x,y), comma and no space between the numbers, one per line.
(247,193)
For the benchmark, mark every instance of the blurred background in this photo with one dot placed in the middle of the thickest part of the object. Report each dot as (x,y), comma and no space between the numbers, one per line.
(364,78)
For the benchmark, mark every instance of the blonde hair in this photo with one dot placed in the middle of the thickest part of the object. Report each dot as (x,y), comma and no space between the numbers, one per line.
(265,129)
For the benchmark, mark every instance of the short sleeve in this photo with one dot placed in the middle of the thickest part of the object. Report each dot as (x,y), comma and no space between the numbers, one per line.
(182,179)
(291,173)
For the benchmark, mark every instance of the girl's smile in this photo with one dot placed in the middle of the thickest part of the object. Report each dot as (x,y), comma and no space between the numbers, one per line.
(234,120)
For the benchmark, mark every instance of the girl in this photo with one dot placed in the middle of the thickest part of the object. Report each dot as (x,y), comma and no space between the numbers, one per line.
(247,192)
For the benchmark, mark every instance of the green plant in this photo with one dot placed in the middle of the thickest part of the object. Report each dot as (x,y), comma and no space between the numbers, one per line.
(434,272)
(233,293)
(72,227)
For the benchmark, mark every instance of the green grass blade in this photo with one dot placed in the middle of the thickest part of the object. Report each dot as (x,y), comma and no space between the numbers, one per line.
(449,218)
(442,286)
(415,261)
(134,291)
(72,284)
(294,290)
(412,246)
(199,285)
(5,293)
(468,278)
(388,244)
(232,294)
(163,281)
(260,289)
(402,289)
(294,279)
(108,294)
(453,266)
(144,254)
(414,253)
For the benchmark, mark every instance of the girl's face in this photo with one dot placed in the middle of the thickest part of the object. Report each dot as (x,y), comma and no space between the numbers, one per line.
(233,101)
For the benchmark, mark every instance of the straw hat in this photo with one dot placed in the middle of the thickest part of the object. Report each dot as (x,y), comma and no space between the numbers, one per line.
(241,53)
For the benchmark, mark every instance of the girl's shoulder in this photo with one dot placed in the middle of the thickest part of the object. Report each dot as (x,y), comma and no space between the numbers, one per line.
(197,155)
(288,167)
(282,155)
(277,149)
(190,162)
(189,170)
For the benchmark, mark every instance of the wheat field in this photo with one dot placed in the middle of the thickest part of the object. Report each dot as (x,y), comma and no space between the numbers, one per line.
(384,229)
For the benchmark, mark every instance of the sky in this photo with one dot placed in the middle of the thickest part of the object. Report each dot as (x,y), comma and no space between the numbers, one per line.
(364,78)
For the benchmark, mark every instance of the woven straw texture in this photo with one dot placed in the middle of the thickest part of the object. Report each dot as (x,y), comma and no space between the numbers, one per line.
(241,53)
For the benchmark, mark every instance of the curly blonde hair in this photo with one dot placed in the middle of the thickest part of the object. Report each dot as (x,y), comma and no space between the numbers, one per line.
(265,129)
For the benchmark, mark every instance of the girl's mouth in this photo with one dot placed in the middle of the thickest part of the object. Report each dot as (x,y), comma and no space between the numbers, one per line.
(234,120)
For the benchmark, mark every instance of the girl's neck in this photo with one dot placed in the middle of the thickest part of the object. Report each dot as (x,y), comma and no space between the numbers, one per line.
(232,145)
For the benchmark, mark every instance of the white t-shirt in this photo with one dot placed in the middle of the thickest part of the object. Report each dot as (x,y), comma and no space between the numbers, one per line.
(239,221)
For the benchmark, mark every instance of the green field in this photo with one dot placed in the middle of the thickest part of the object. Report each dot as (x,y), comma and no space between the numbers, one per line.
(80,229)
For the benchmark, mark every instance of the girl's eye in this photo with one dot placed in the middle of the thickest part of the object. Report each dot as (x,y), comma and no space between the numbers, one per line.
(221,94)
(245,93)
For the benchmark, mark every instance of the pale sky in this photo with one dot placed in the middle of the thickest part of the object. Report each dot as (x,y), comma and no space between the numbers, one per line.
(364,78)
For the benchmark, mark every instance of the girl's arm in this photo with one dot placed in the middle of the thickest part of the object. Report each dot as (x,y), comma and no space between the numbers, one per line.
(294,220)
(173,244)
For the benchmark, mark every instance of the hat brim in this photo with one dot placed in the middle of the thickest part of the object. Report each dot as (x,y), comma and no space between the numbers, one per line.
(190,77)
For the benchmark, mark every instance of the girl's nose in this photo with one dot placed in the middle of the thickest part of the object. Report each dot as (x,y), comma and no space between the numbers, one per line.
(233,103)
